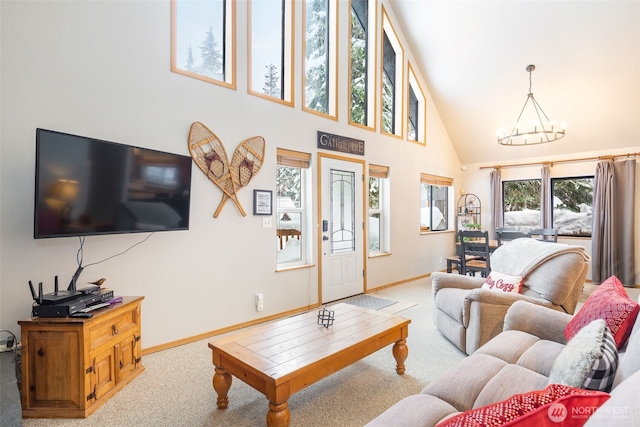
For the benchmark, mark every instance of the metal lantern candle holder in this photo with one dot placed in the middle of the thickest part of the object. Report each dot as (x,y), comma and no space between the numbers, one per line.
(325,317)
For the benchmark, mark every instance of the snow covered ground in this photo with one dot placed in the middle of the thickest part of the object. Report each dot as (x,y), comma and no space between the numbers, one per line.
(567,222)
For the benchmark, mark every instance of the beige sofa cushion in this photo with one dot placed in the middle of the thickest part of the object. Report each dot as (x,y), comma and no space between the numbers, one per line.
(539,358)
(471,372)
(508,346)
(512,379)
(418,410)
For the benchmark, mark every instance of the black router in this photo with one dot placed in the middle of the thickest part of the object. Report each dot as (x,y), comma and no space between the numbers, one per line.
(56,297)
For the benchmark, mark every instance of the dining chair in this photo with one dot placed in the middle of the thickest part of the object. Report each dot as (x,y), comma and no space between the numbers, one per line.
(475,254)
(544,234)
(504,236)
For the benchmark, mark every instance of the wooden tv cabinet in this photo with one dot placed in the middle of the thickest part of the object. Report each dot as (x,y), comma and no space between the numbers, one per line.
(71,366)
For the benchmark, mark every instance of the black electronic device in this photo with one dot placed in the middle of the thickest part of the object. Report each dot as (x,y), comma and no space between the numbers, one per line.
(88,290)
(74,305)
(85,186)
(56,297)
(81,314)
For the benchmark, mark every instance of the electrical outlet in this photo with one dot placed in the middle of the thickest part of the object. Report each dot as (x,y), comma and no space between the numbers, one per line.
(259,302)
(440,260)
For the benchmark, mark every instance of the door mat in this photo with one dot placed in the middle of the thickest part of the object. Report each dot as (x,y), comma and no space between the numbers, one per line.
(368,301)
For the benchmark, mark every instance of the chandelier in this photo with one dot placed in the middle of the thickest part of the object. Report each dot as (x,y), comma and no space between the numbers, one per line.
(542,129)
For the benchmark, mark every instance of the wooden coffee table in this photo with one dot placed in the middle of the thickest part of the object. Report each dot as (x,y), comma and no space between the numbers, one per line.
(281,358)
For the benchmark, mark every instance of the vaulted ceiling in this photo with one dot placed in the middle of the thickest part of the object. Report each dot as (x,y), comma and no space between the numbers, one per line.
(473,56)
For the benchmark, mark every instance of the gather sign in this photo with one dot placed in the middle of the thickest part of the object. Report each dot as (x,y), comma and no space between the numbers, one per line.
(343,144)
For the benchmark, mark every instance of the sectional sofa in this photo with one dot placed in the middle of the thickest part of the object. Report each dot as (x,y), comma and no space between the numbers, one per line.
(518,363)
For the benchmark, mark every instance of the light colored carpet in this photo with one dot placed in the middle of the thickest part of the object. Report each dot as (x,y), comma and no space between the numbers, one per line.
(176,389)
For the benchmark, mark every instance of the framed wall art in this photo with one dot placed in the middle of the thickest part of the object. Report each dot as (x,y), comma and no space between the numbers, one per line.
(262,201)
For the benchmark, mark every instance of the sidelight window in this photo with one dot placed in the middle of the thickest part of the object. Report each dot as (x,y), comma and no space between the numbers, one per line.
(293,210)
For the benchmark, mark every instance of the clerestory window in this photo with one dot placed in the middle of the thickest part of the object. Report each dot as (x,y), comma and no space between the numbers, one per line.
(392,81)
(320,57)
(362,59)
(416,110)
(270,40)
(203,40)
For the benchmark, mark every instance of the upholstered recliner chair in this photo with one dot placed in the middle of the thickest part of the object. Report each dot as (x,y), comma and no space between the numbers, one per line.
(469,315)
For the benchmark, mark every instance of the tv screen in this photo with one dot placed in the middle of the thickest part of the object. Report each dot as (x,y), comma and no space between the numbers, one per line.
(85,186)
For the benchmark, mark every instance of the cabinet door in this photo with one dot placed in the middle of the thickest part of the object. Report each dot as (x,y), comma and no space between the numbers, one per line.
(54,371)
(102,374)
(128,355)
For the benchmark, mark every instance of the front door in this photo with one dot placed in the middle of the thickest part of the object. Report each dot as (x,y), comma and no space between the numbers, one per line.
(341,228)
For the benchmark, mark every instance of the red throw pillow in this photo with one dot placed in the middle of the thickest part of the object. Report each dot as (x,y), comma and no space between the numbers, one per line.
(610,303)
(557,405)
(500,282)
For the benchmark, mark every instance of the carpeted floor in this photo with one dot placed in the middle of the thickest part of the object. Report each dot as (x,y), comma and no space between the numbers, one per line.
(175,388)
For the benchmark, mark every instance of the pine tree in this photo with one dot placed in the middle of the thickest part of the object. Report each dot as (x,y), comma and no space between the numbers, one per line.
(388,124)
(189,64)
(358,72)
(272,82)
(289,184)
(521,195)
(211,57)
(316,90)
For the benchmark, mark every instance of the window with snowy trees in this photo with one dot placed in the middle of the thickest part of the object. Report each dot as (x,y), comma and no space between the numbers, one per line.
(362,57)
(319,57)
(270,57)
(571,201)
(203,40)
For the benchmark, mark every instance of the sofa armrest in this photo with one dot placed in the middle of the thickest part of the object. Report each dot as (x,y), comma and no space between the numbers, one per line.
(441,280)
(502,298)
(542,322)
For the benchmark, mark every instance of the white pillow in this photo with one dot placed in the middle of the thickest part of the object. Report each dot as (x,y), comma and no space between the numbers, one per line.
(500,282)
(589,360)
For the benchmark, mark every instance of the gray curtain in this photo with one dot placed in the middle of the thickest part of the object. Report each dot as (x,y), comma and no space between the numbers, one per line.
(545,197)
(496,201)
(613,234)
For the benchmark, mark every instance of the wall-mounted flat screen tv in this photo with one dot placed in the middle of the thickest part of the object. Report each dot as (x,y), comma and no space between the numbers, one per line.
(86,186)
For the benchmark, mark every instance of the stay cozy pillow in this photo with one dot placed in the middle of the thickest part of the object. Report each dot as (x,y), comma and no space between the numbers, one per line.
(589,360)
(610,303)
(501,282)
(550,407)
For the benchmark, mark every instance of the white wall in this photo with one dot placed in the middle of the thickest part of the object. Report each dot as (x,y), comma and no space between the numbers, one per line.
(102,69)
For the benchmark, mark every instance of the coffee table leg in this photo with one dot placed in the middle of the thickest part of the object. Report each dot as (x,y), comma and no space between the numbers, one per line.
(222,384)
(400,353)
(278,415)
